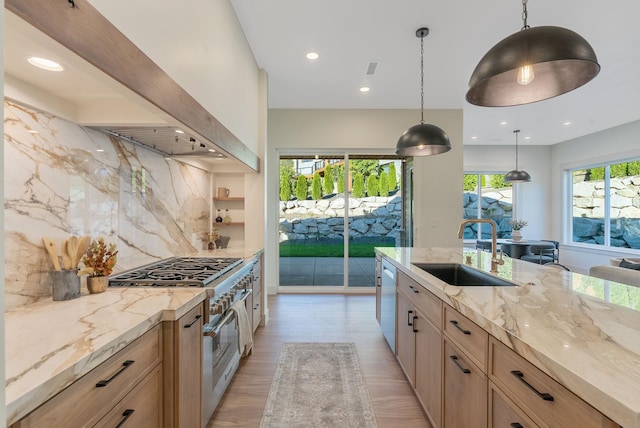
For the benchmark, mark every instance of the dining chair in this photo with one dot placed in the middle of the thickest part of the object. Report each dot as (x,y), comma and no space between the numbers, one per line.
(541,253)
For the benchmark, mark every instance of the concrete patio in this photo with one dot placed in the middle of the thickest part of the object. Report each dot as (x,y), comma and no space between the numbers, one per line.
(327,271)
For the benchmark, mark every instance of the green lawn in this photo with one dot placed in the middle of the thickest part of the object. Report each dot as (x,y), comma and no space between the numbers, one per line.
(328,250)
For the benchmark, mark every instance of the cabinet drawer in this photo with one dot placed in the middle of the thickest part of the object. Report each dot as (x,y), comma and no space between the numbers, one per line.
(464,391)
(540,396)
(468,336)
(83,402)
(422,299)
(257,310)
(142,407)
(504,413)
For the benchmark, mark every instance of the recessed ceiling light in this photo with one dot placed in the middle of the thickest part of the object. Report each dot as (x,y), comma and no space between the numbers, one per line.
(312,55)
(365,89)
(503,123)
(45,64)
(567,123)
(528,137)
(179,131)
(474,137)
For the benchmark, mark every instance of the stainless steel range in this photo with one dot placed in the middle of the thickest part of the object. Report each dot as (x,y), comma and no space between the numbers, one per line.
(220,336)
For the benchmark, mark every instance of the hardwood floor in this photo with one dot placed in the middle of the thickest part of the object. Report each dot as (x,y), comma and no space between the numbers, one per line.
(320,318)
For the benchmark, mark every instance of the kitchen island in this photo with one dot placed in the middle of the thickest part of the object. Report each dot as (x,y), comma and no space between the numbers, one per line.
(561,322)
(51,344)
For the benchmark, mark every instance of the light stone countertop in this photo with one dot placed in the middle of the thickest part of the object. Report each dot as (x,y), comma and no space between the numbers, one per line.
(50,344)
(560,321)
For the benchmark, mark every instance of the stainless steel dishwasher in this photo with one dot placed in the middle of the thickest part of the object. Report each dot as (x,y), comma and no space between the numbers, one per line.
(388,303)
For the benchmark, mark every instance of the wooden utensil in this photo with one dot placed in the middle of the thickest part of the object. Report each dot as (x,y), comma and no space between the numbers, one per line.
(72,248)
(83,244)
(53,252)
(66,259)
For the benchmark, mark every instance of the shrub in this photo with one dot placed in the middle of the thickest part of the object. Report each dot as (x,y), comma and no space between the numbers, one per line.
(341,184)
(301,188)
(316,187)
(358,186)
(393,176)
(327,182)
(497,181)
(596,173)
(470,182)
(285,188)
(633,168)
(384,184)
(373,188)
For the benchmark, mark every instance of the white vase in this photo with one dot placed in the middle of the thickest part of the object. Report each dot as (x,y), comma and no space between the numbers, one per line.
(516,235)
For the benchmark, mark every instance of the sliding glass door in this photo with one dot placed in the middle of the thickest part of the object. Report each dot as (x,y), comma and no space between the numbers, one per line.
(333,212)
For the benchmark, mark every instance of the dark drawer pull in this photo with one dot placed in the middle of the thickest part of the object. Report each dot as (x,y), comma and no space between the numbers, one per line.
(409,318)
(455,324)
(125,365)
(125,415)
(516,425)
(455,361)
(544,395)
(413,289)
(414,324)
(193,322)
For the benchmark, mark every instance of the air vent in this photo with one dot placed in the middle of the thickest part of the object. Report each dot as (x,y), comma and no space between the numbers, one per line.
(371,69)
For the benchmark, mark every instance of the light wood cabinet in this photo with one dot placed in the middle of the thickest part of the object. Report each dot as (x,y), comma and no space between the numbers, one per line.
(183,370)
(405,338)
(419,343)
(544,400)
(257,311)
(504,413)
(90,398)
(465,390)
(378,285)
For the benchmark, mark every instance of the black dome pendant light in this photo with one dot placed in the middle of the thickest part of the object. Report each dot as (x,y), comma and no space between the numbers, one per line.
(422,139)
(532,65)
(517,176)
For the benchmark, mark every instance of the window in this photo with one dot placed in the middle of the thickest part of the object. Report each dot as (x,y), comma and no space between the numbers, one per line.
(486,195)
(605,208)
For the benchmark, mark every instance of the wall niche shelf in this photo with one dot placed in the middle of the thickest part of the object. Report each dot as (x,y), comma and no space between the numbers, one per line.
(233,223)
(230,198)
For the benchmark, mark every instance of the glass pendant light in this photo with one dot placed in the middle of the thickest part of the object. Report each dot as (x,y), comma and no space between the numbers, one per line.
(422,139)
(532,65)
(517,176)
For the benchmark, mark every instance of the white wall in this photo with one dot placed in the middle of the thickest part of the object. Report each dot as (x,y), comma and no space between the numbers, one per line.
(201,45)
(438,179)
(615,144)
(533,199)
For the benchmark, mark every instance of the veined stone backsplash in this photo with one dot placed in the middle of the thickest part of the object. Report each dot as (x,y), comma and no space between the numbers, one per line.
(70,180)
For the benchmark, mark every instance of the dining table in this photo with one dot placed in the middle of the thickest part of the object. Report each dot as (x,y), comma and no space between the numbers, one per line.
(514,249)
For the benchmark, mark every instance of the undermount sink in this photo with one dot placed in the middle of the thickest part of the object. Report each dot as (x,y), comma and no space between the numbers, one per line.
(461,275)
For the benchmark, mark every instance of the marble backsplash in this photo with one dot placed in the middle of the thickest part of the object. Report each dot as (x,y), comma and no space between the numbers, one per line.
(62,179)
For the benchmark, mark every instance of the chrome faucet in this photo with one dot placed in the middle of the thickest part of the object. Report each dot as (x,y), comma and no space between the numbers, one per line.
(495,261)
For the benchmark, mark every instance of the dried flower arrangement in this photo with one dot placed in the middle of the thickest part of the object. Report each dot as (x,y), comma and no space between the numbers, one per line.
(517,224)
(100,258)
(210,236)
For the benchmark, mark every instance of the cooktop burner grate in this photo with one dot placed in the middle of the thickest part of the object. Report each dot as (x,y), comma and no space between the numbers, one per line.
(176,272)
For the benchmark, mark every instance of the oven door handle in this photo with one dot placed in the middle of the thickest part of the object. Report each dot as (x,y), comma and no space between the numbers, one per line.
(215,330)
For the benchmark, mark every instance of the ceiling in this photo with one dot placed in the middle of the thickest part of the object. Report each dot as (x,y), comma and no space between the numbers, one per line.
(348,35)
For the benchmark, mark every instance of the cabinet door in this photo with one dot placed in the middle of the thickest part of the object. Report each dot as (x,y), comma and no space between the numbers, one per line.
(465,391)
(257,311)
(405,337)
(378,286)
(429,367)
(188,348)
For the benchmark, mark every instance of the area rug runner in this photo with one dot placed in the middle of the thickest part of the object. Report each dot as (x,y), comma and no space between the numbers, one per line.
(318,385)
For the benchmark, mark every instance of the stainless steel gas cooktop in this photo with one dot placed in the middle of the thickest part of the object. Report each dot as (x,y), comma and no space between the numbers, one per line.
(176,272)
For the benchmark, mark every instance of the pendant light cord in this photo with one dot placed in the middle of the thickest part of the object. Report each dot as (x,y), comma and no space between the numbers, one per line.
(516,132)
(422,80)
(525,15)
